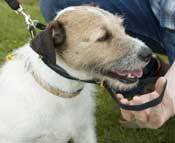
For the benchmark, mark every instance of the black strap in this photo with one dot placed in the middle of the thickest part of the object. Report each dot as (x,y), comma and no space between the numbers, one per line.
(14,4)
(40,26)
(140,107)
(59,70)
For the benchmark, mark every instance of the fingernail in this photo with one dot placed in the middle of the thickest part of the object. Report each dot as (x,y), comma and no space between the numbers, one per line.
(124,101)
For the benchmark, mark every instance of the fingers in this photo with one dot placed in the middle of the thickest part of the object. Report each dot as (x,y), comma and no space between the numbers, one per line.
(141,117)
(156,114)
(160,85)
(149,118)
(127,115)
(132,119)
(119,96)
(162,112)
(143,98)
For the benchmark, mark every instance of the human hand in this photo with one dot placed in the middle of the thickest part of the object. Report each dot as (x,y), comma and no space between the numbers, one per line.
(154,117)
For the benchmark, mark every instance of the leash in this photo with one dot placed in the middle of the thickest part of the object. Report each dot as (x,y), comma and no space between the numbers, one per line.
(138,107)
(59,70)
(33,24)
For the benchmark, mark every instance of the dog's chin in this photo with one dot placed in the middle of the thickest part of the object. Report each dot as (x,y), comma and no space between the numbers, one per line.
(120,86)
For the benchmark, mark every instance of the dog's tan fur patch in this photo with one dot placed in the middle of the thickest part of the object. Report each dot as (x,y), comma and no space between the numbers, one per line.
(81,41)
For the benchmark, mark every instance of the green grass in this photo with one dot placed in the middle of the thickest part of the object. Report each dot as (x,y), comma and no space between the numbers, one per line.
(13,30)
(13,34)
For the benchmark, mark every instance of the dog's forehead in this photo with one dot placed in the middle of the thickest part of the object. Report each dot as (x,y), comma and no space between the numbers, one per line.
(85,9)
(91,17)
(83,20)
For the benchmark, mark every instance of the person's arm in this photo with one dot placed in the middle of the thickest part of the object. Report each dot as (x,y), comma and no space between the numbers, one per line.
(171,78)
(153,117)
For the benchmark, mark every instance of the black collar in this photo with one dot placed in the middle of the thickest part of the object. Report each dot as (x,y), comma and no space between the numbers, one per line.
(59,70)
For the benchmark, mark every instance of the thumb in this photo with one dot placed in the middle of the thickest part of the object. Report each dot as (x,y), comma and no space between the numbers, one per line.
(160,85)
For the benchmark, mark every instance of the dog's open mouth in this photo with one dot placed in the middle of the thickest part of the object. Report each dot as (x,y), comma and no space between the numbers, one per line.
(125,76)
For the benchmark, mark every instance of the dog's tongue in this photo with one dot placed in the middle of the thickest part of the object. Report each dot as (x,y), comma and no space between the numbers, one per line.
(137,73)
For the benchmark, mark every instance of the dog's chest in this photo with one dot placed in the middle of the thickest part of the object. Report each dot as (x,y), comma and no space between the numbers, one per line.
(49,117)
(28,112)
(64,118)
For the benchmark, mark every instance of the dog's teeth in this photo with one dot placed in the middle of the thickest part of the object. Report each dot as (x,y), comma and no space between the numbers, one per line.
(130,75)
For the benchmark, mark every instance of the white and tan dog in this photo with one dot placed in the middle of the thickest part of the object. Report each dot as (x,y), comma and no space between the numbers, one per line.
(89,43)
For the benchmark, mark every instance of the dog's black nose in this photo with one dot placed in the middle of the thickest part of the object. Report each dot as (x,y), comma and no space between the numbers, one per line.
(145,54)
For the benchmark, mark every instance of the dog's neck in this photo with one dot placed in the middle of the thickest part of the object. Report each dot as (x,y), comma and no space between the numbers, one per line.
(46,75)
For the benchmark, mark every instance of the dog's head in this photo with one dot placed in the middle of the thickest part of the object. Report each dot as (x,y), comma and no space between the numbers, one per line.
(93,41)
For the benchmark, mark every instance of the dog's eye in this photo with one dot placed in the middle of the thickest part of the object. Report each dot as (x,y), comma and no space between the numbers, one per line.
(105,37)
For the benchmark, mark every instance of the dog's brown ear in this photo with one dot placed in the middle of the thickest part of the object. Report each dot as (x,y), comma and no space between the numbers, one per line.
(49,39)
(58,33)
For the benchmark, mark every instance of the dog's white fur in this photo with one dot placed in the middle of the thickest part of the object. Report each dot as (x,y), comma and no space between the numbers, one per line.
(30,114)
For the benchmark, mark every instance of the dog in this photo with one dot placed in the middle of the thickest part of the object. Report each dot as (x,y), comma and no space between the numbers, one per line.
(37,105)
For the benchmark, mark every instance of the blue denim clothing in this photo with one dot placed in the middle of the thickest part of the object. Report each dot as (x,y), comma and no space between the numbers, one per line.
(169,43)
(164,10)
(139,20)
